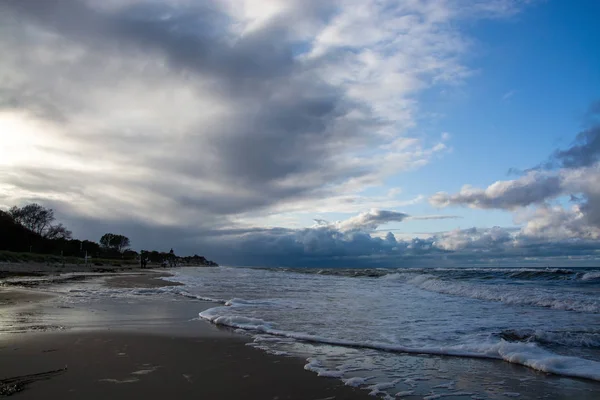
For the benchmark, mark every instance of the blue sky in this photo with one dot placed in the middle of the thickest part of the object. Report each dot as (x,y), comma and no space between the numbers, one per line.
(535,77)
(297,132)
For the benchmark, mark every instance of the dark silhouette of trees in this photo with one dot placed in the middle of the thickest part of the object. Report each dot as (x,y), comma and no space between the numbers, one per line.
(14,236)
(39,219)
(58,232)
(31,228)
(114,242)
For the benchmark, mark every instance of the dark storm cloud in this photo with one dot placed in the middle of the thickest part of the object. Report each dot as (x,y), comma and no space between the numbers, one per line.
(584,152)
(282,141)
(191,39)
(328,247)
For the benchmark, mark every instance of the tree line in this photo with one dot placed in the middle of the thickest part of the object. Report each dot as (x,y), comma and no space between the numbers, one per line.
(33,228)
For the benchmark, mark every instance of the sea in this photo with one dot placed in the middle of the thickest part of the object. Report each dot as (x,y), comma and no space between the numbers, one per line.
(390,331)
(461,333)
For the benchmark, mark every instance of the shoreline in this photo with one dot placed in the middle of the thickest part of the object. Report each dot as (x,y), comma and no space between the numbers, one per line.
(149,341)
(100,365)
(158,356)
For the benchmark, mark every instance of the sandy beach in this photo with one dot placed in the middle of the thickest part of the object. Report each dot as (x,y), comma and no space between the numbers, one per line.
(153,358)
(127,335)
(100,365)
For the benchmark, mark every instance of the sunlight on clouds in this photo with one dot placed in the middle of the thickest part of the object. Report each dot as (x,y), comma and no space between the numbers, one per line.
(25,142)
(193,112)
(16,139)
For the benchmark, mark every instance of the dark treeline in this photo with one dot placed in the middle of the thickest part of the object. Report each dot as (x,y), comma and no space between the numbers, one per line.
(32,229)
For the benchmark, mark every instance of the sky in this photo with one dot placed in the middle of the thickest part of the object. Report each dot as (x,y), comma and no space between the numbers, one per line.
(309,133)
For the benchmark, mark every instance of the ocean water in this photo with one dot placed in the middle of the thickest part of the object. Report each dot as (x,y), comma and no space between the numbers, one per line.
(374,328)
(463,333)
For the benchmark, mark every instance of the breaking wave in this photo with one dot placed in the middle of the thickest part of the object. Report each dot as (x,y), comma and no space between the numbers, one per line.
(524,353)
(515,295)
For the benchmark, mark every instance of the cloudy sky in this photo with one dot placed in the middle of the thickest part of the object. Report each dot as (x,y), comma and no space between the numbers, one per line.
(301,132)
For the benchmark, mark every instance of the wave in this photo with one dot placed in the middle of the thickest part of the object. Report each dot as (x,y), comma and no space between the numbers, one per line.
(590,339)
(524,353)
(508,273)
(590,276)
(174,290)
(550,273)
(508,294)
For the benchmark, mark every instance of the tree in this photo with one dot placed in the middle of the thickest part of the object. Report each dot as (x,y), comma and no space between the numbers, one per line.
(39,219)
(14,236)
(58,232)
(111,241)
(33,216)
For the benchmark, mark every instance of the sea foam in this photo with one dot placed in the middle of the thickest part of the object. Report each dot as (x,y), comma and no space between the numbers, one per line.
(523,353)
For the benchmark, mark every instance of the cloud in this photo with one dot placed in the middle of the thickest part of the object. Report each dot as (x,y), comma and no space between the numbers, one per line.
(369,221)
(188,118)
(506,96)
(535,187)
(326,246)
(556,223)
(584,152)
(481,239)
(573,173)
(207,108)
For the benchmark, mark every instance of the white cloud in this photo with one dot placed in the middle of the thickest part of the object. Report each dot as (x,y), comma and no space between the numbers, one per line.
(535,187)
(506,96)
(535,197)
(370,220)
(474,238)
(190,112)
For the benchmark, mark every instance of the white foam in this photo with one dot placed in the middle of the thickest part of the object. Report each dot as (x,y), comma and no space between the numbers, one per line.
(119,381)
(527,354)
(379,389)
(356,381)
(589,276)
(434,396)
(315,365)
(144,371)
(180,292)
(235,321)
(395,276)
(448,385)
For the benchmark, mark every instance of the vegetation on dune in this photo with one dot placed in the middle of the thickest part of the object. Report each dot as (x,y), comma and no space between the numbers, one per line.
(30,234)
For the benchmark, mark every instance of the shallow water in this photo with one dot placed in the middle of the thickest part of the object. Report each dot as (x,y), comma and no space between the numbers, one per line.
(357,324)
(403,333)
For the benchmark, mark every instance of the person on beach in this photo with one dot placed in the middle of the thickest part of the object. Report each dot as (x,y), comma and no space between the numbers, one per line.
(172,258)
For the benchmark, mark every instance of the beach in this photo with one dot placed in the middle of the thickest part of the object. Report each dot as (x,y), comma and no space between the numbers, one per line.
(183,333)
(154,358)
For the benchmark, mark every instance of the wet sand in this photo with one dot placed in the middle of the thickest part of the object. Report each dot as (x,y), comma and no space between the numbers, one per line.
(163,356)
(20,297)
(102,365)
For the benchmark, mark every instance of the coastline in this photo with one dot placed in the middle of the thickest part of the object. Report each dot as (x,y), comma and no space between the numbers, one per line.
(150,357)
(135,333)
